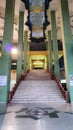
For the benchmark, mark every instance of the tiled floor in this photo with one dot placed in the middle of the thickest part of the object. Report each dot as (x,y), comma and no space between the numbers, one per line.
(36,117)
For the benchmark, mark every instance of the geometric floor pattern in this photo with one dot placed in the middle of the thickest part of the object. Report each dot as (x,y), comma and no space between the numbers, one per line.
(35,113)
(36,117)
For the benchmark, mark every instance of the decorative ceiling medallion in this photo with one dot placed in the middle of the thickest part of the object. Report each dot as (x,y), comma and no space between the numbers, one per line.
(36,8)
(36,28)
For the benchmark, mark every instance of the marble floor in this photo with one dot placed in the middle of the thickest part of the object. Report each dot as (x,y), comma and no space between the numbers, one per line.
(36,116)
(53,116)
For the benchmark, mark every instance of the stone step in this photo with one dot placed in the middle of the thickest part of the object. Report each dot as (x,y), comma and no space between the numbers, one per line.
(38,90)
(37,101)
(41,95)
(34,101)
(38,96)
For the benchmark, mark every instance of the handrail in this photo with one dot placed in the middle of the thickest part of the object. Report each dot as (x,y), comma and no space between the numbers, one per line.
(11,93)
(64,93)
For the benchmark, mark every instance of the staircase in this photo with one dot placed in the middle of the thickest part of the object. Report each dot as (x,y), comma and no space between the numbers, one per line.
(38,88)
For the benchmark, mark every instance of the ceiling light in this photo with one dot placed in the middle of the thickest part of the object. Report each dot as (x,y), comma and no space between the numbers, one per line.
(14,51)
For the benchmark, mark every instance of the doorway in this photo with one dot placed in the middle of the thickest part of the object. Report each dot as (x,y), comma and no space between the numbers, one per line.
(38,64)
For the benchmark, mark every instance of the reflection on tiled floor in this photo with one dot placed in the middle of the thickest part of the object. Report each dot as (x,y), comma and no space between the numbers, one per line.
(36,113)
(32,115)
(36,117)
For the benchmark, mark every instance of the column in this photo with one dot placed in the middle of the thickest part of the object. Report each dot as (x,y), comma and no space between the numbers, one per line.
(20,45)
(25,51)
(28,49)
(67,44)
(50,51)
(55,44)
(5,61)
(47,56)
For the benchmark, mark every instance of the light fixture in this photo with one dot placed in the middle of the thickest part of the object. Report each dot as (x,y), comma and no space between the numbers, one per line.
(14,50)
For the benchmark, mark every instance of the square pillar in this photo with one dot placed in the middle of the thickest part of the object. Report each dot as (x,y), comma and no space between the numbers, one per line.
(67,44)
(50,51)
(55,45)
(47,56)
(20,45)
(25,50)
(5,61)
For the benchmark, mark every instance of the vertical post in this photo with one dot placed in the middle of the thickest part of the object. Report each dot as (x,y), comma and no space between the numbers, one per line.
(55,45)
(25,51)
(67,44)
(50,51)
(28,49)
(5,61)
(20,45)
(47,56)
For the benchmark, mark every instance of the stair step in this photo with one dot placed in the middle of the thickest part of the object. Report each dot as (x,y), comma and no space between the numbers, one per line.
(38,90)
(56,101)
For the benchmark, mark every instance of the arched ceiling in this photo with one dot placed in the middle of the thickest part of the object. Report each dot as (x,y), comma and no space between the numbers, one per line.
(36,10)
